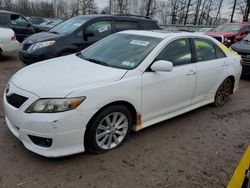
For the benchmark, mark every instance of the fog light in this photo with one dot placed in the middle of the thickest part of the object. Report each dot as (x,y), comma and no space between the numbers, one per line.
(40,141)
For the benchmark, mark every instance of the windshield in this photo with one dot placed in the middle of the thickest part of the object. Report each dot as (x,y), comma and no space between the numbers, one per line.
(231,28)
(68,26)
(125,51)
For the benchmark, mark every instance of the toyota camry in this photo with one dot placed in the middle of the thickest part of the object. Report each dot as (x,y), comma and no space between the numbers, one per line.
(90,101)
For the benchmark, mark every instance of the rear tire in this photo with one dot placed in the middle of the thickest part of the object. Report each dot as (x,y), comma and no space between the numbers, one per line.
(223,93)
(108,130)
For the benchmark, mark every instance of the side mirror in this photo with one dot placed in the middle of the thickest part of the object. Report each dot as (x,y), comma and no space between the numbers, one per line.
(162,66)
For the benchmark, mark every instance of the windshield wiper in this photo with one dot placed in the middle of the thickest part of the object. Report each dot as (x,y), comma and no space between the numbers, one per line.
(95,61)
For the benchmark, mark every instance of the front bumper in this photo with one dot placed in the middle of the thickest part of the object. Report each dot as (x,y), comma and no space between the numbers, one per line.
(66,129)
(39,55)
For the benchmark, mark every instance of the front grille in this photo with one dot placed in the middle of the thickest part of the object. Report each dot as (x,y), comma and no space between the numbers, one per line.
(16,100)
(26,46)
(245,57)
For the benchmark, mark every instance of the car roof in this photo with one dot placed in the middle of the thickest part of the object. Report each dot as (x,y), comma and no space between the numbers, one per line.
(163,34)
(128,17)
(238,23)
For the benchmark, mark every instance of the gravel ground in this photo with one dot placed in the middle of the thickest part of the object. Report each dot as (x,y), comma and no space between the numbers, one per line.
(198,149)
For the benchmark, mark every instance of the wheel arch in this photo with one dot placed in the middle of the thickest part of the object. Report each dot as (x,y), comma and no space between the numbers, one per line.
(127,104)
(136,117)
(232,79)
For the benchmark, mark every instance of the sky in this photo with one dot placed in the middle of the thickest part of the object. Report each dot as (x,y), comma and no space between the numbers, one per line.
(226,8)
(102,3)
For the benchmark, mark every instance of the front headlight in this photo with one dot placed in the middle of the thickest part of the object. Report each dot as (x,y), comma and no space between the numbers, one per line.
(54,105)
(39,45)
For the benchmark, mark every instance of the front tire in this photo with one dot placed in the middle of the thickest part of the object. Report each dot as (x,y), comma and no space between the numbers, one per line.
(109,129)
(223,93)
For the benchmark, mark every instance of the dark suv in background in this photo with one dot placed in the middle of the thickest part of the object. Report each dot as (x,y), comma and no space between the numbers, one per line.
(243,49)
(21,26)
(77,33)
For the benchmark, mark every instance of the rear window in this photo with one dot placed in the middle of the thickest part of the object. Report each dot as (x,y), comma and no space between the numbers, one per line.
(126,25)
(149,25)
(3,19)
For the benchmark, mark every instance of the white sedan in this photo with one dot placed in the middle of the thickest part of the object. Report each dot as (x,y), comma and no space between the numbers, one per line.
(8,42)
(90,101)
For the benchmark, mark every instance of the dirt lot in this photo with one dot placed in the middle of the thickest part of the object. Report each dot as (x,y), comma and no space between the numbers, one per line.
(198,149)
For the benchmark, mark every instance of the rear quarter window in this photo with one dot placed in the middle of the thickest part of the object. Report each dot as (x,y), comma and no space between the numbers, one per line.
(3,19)
(205,50)
(126,25)
(219,52)
(149,25)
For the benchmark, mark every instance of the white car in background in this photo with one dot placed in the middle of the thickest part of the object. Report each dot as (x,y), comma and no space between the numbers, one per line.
(8,42)
(129,80)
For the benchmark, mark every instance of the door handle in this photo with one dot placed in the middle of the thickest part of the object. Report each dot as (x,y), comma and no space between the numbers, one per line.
(191,72)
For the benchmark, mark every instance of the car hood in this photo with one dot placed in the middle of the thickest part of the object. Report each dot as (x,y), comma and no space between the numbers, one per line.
(64,75)
(241,47)
(43,36)
(225,34)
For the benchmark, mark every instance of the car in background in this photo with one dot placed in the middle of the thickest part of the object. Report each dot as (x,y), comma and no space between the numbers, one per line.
(78,33)
(8,42)
(20,25)
(204,30)
(45,26)
(230,33)
(243,49)
(36,20)
(91,100)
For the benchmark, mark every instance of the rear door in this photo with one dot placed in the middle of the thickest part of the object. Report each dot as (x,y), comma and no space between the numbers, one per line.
(211,69)
(168,92)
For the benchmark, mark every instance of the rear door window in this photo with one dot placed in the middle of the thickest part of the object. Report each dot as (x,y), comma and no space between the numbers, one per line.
(4,19)
(126,25)
(100,29)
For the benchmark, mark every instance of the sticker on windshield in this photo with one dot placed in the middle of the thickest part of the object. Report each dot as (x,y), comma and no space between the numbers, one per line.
(128,64)
(140,42)
(102,29)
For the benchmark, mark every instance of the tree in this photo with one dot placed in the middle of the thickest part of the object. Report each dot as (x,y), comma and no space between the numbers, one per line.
(197,11)
(233,11)
(7,4)
(187,11)
(246,12)
(149,8)
(218,12)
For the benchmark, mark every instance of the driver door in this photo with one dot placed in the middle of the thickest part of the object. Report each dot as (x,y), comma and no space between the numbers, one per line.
(168,92)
